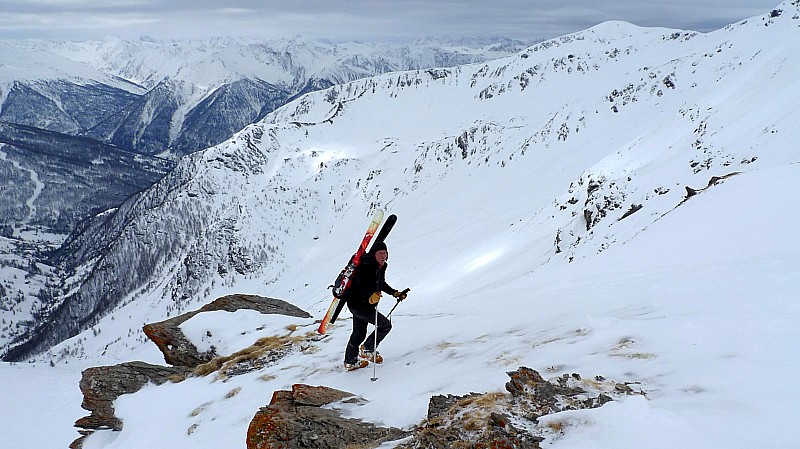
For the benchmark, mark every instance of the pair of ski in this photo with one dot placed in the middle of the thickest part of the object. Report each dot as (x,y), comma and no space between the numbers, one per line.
(346,276)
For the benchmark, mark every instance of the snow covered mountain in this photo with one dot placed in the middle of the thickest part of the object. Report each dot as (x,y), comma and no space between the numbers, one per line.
(112,99)
(331,156)
(172,98)
(603,202)
(178,97)
(50,183)
(588,113)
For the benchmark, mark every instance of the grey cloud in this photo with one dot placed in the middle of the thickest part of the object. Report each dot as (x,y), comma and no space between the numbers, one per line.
(383,20)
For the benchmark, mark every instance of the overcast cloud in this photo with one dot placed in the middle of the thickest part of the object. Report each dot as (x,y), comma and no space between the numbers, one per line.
(368,20)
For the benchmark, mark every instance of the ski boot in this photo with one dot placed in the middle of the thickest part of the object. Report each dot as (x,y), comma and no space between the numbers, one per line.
(371,356)
(354,366)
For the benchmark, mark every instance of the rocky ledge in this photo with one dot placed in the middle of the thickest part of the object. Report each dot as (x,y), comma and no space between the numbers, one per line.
(508,420)
(102,385)
(296,419)
(305,418)
(179,351)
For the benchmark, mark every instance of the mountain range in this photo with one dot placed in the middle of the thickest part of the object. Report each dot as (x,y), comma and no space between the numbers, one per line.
(616,203)
(176,97)
(612,103)
(170,98)
(85,125)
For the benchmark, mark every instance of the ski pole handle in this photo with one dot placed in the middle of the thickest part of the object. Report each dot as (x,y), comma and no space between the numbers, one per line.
(401,295)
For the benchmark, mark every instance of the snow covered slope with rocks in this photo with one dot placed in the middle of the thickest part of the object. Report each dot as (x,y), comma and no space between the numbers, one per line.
(115,98)
(614,202)
(50,183)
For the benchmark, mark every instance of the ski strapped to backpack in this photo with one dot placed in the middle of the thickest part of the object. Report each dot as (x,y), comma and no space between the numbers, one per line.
(345,277)
(342,283)
(387,227)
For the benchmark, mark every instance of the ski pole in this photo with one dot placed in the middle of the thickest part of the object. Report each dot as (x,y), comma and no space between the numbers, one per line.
(375,349)
(398,303)
(390,312)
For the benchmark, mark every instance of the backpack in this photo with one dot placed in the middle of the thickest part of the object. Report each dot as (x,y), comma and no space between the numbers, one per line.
(342,283)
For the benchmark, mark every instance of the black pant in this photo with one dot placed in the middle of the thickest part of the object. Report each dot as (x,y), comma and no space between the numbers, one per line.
(361,317)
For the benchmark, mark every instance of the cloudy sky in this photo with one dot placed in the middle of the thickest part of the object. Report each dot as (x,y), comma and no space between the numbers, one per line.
(381,20)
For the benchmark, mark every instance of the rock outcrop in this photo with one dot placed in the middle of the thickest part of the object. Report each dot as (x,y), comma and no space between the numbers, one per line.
(102,385)
(504,420)
(303,417)
(179,351)
(294,420)
(507,420)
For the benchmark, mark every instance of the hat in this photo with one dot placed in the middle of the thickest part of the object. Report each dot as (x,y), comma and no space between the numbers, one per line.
(378,246)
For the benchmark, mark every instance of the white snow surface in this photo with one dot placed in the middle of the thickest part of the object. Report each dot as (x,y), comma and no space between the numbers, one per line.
(693,299)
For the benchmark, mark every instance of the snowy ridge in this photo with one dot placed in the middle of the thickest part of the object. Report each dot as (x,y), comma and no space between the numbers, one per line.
(37,63)
(223,59)
(544,220)
(184,96)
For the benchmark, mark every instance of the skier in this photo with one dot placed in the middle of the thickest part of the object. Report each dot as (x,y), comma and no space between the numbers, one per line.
(362,300)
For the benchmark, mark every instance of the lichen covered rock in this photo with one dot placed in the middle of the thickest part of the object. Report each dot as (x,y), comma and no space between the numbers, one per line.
(294,420)
(508,420)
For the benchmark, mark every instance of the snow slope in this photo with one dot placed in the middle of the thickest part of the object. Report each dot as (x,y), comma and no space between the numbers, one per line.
(516,184)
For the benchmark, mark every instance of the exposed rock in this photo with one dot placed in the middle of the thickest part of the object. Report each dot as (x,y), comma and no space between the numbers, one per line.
(500,420)
(78,443)
(317,396)
(633,209)
(602,197)
(102,385)
(179,351)
(295,419)
(690,192)
(439,404)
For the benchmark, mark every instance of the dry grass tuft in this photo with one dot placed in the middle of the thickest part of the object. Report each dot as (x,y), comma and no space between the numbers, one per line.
(233,392)
(641,355)
(199,409)
(176,378)
(473,411)
(507,359)
(491,399)
(556,426)
(253,354)
(446,345)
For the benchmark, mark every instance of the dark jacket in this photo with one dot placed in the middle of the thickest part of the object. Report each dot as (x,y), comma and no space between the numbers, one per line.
(367,279)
